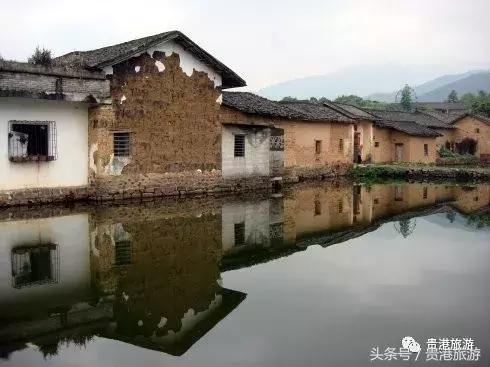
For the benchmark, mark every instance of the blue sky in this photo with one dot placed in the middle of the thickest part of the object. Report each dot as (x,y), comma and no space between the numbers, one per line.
(266,41)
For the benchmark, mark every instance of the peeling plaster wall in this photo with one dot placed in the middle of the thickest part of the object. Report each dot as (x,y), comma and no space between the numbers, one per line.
(169,104)
(70,167)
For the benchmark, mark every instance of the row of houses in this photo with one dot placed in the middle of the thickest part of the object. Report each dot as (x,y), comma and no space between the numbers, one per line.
(151,117)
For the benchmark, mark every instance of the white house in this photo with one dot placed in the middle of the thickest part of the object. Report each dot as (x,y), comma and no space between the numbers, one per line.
(44,119)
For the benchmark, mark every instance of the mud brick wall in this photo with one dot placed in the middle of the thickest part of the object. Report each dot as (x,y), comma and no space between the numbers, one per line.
(173,119)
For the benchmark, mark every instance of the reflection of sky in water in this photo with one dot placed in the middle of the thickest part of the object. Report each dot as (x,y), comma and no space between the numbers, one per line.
(329,306)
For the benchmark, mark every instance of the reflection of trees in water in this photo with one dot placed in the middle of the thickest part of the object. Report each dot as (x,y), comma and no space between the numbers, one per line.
(479,220)
(405,227)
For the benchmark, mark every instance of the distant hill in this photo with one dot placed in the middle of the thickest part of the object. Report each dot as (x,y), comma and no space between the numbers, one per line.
(360,81)
(437,90)
(470,84)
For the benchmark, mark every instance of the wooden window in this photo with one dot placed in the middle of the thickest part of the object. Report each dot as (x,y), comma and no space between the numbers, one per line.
(426,149)
(376,201)
(477,130)
(475,198)
(239,233)
(318,146)
(122,144)
(239,149)
(341,145)
(376,144)
(32,141)
(122,252)
(425,193)
(340,206)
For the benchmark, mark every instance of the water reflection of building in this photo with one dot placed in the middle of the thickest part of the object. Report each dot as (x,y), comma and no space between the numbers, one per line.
(167,291)
(149,274)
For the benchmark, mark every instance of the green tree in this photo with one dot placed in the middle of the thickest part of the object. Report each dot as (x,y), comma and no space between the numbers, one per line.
(406,98)
(452,97)
(41,57)
(359,101)
(289,99)
(477,103)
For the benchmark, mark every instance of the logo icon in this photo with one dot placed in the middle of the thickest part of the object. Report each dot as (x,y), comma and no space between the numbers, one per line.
(409,343)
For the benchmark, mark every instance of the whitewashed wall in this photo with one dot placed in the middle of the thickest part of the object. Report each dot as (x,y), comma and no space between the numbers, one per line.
(71,234)
(71,167)
(257,149)
(255,215)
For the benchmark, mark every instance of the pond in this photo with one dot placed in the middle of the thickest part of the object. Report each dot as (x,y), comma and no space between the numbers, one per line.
(318,275)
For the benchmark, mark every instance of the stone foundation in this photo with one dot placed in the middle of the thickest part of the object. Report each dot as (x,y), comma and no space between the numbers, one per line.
(42,195)
(151,185)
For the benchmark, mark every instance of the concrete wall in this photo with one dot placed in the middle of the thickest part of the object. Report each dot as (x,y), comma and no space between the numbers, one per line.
(70,168)
(71,236)
(257,152)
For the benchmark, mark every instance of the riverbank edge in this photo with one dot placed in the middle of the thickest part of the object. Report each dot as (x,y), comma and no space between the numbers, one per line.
(436,174)
(211,184)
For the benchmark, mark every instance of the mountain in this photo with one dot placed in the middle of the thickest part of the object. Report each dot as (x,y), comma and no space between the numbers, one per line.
(470,84)
(422,88)
(361,80)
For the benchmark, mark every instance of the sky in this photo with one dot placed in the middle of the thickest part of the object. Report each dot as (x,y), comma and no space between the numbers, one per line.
(266,42)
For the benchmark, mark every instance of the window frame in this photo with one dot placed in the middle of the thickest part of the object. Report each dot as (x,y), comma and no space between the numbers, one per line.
(116,151)
(238,152)
(341,145)
(426,150)
(15,146)
(318,147)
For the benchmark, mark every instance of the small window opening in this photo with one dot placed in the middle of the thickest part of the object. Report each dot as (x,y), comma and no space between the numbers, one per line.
(340,206)
(426,149)
(122,144)
(477,130)
(425,193)
(341,145)
(318,146)
(318,207)
(35,265)
(376,201)
(376,144)
(239,230)
(32,141)
(239,146)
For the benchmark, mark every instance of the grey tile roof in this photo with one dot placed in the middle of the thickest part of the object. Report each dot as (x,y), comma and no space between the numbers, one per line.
(408,127)
(318,111)
(449,106)
(456,117)
(351,111)
(418,117)
(111,55)
(307,111)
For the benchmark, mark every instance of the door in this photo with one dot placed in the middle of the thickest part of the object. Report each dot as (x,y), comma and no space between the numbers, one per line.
(398,153)
(357,147)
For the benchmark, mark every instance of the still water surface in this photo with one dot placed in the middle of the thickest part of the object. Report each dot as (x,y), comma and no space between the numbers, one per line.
(316,276)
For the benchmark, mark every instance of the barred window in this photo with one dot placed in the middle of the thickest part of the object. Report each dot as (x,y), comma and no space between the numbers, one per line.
(341,145)
(340,206)
(35,265)
(122,144)
(239,146)
(426,149)
(32,141)
(239,229)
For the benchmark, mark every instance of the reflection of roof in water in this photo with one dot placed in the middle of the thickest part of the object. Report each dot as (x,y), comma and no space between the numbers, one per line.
(97,320)
(258,255)
(178,346)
